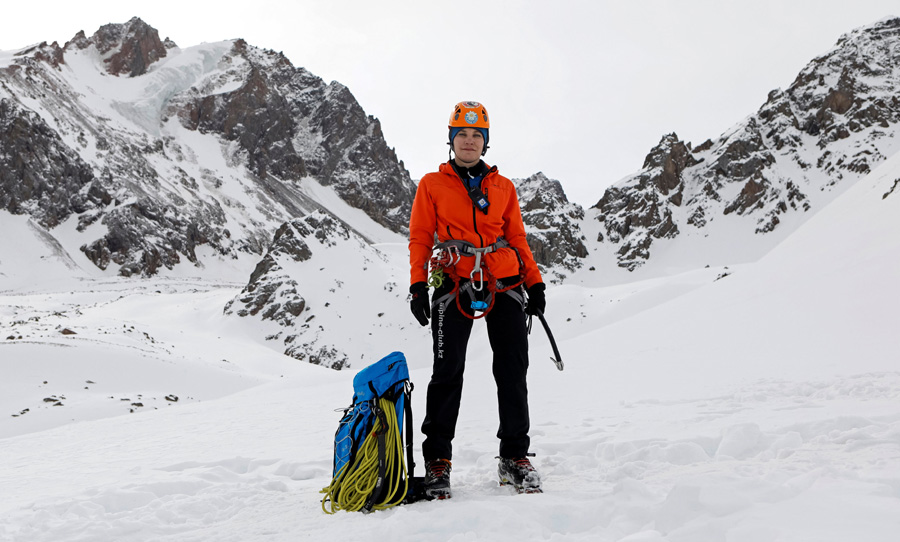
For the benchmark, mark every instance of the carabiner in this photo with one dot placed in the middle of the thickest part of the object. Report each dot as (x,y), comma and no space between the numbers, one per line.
(480,279)
(456,256)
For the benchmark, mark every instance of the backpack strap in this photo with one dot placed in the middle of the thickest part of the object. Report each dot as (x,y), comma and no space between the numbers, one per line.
(376,494)
(410,456)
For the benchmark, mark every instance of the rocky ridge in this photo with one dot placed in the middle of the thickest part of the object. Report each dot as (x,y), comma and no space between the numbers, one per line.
(309,286)
(553,224)
(134,179)
(136,182)
(40,175)
(144,193)
(127,49)
(273,292)
(801,149)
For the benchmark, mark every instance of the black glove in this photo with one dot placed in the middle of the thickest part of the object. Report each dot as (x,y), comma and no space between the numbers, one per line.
(536,300)
(419,303)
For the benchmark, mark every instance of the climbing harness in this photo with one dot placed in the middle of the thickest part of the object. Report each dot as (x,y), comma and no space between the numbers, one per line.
(443,263)
(448,253)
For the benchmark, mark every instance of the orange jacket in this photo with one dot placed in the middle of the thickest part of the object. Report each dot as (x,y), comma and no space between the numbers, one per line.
(442,207)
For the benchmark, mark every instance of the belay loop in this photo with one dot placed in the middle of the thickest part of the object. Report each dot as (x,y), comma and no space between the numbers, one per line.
(449,253)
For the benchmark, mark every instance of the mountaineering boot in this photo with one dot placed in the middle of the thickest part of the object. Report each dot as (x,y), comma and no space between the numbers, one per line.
(520,473)
(437,479)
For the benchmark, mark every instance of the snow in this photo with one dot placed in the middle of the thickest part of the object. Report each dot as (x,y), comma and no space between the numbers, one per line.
(757,399)
(356,219)
(24,244)
(7,58)
(742,403)
(140,102)
(801,172)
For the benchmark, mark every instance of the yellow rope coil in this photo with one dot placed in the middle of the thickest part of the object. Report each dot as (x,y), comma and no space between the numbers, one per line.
(351,486)
(436,277)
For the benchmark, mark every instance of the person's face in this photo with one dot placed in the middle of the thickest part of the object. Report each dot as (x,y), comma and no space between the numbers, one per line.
(467,145)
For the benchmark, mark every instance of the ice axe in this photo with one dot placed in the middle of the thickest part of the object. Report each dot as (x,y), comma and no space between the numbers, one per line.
(557,359)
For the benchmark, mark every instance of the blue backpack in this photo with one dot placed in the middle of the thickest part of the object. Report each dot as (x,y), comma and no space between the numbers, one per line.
(373,463)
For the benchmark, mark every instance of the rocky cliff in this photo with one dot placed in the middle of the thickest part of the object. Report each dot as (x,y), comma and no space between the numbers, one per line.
(155,151)
(803,147)
(553,224)
(274,292)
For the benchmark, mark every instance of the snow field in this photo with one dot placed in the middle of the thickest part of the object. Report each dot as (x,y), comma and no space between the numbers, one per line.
(619,458)
(740,403)
(799,461)
(751,404)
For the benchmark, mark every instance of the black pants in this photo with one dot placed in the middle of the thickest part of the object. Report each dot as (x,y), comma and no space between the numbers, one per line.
(509,341)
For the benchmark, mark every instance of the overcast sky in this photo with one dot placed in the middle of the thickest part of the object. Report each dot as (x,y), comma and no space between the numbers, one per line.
(581,90)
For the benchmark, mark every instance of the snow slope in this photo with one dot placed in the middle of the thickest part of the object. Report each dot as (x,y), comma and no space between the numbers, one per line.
(759,402)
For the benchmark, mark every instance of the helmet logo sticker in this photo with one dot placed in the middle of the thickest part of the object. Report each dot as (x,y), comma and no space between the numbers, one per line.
(471,117)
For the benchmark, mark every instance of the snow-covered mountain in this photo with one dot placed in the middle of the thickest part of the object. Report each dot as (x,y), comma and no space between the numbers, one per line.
(142,155)
(733,198)
(131,156)
(750,403)
(139,157)
(757,399)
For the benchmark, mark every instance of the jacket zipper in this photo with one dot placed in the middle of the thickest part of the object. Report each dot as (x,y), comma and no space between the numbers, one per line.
(475,225)
(474,209)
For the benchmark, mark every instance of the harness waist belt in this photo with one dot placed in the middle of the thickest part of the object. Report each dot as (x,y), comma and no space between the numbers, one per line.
(459,248)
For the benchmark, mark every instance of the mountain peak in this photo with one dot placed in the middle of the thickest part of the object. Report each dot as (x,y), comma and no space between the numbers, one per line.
(127,49)
(799,151)
(552,222)
(888,24)
(127,158)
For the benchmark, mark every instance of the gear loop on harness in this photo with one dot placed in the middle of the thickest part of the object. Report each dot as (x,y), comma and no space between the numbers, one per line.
(449,253)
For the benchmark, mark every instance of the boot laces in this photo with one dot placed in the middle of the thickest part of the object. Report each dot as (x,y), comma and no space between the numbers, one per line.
(524,464)
(439,468)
